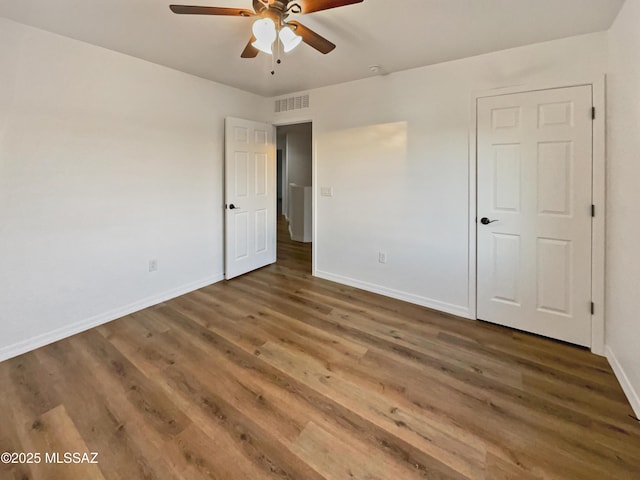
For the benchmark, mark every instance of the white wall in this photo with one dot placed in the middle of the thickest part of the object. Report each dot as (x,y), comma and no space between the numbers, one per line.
(299,153)
(623,199)
(106,162)
(395,150)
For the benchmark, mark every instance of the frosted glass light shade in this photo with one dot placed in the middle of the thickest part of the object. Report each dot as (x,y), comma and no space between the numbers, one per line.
(265,32)
(289,39)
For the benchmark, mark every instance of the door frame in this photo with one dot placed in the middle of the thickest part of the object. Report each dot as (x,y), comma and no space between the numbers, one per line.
(314,227)
(597,194)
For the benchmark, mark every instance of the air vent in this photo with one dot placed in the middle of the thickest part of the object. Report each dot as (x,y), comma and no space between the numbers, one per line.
(292,103)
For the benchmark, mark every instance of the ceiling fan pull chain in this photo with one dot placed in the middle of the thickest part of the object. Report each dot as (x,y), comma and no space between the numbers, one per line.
(279,51)
(273,62)
(275,59)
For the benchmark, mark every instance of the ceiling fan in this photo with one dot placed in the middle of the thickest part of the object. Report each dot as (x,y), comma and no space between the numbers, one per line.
(272,23)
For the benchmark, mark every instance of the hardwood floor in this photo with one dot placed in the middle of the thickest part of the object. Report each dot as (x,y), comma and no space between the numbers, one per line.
(279,375)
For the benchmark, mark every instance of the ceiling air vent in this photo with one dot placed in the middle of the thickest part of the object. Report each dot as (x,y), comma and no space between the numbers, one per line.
(292,103)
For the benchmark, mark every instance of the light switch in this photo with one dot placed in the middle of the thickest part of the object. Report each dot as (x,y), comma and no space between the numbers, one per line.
(326,191)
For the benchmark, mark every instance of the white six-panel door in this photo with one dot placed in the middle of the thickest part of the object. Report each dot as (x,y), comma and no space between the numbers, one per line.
(250,196)
(534,186)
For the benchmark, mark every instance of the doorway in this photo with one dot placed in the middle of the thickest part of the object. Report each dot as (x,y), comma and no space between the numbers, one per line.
(535,211)
(294,190)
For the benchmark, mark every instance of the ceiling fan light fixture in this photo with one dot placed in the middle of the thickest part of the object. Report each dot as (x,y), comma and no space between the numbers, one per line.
(265,32)
(289,39)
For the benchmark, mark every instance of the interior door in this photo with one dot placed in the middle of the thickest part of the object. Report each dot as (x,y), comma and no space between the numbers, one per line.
(534,212)
(250,196)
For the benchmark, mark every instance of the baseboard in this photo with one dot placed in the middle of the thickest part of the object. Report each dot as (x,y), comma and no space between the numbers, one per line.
(627,387)
(397,294)
(38,341)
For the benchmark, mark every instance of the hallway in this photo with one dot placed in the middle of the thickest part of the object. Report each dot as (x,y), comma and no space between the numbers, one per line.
(292,255)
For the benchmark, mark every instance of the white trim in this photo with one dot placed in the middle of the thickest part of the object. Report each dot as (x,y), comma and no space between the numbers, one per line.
(473,205)
(38,341)
(627,387)
(598,197)
(536,87)
(314,200)
(457,310)
(285,174)
(599,221)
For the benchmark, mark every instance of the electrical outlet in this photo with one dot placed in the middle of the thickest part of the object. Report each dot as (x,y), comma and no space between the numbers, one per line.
(382,257)
(153,265)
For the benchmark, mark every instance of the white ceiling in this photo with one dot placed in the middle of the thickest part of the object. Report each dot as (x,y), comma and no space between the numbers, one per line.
(395,34)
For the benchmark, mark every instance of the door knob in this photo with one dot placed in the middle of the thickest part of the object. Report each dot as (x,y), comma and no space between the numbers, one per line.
(486,221)
(232,207)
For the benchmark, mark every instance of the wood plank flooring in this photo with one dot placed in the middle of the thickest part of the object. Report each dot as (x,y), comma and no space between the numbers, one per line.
(279,375)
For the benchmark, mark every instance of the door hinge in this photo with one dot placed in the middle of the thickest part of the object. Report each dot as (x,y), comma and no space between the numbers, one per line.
(593,113)
(593,308)
(593,210)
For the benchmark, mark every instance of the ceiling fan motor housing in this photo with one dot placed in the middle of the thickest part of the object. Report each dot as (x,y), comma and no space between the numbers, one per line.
(277,11)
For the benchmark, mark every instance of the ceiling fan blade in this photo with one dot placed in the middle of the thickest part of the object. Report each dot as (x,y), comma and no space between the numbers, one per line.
(250,51)
(312,38)
(309,6)
(196,10)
